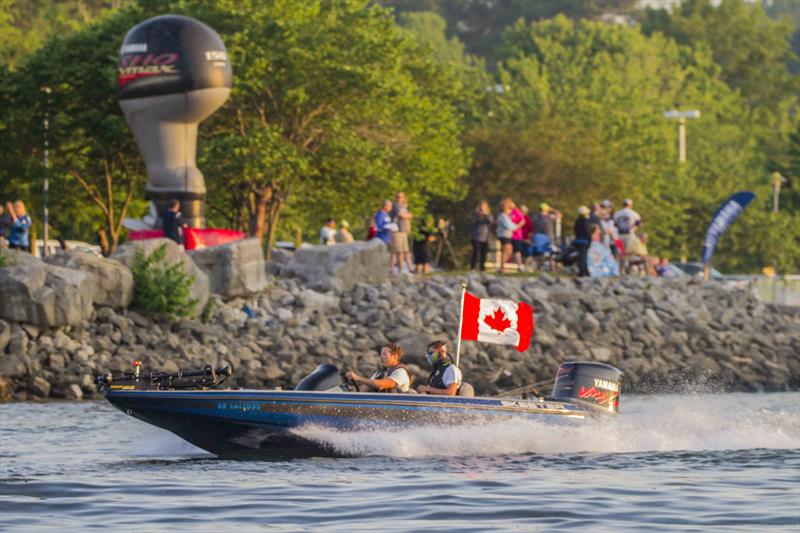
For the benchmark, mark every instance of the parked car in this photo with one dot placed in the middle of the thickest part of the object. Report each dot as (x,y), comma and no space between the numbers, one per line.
(672,271)
(695,268)
(54,247)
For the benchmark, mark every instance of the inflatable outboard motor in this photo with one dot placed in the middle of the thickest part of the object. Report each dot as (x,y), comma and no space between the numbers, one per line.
(593,385)
(173,72)
(324,377)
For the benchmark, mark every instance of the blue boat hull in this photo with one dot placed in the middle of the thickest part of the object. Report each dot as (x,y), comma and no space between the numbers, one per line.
(246,422)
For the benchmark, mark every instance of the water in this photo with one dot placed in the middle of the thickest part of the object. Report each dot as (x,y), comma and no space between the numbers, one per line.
(684,462)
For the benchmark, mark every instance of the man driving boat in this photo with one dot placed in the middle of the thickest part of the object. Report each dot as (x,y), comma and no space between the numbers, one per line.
(445,377)
(393,376)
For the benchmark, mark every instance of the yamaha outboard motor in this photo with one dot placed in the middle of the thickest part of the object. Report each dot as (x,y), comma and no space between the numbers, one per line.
(324,377)
(593,385)
(173,72)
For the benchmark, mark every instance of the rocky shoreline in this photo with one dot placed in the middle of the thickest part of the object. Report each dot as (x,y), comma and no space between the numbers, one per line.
(664,334)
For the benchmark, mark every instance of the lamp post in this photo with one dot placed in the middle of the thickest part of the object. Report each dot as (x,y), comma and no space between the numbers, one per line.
(777,181)
(681,116)
(46,185)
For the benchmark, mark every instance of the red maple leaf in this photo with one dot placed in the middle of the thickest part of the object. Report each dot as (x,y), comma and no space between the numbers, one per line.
(497,321)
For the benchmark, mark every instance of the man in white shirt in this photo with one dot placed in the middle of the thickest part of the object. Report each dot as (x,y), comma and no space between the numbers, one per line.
(445,378)
(627,220)
(327,234)
(393,376)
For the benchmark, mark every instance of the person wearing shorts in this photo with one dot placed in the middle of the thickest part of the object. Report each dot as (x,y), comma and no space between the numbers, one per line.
(399,248)
(505,230)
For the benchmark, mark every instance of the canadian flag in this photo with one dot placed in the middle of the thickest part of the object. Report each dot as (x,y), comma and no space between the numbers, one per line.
(496,321)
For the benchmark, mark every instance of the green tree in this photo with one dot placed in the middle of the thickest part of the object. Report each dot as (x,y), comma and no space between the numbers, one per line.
(93,155)
(25,25)
(752,50)
(479,24)
(578,117)
(333,108)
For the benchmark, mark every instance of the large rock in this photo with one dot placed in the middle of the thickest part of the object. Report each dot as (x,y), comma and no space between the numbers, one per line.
(34,292)
(233,269)
(113,280)
(5,335)
(340,266)
(200,288)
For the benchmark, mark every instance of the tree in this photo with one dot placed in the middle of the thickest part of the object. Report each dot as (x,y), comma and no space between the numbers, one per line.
(752,50)
(579,118)
(479,24)
(25,25)
(92,148)
(333,108)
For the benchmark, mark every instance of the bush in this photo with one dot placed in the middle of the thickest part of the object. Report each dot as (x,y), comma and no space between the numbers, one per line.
(160,288)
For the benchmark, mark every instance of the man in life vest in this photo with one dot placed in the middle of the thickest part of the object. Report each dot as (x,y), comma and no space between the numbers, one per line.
(445,377)
(393,376)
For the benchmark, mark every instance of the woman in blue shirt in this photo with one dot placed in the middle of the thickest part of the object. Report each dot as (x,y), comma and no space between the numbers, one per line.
(20,227)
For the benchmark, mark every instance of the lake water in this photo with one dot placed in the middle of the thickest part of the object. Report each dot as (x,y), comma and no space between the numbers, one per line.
(702,462)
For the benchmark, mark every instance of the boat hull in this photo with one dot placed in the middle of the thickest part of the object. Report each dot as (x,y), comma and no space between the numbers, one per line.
(242,422)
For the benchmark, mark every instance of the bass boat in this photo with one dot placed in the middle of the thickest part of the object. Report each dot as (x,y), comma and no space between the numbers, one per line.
(198,407)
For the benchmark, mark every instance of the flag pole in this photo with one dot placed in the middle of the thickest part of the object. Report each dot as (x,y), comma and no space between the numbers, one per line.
(460,321)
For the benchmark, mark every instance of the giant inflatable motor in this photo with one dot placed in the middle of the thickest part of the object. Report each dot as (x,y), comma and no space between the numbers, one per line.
(173,72)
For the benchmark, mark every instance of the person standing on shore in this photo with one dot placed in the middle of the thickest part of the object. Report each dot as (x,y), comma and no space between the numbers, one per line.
(583,237)
(18,237)
(479,235)
(401,252)
(426,233)
(517,240)
(5,226)
(383,223)
(343,236)
(627,221)
(172,221)
(505,229)
(327,235)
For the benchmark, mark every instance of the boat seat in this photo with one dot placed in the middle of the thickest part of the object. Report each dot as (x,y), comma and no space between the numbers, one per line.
(466,389)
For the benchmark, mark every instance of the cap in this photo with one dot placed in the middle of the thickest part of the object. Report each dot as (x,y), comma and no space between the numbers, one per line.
(606,203)
(583,210)
(544,206)
(345,224)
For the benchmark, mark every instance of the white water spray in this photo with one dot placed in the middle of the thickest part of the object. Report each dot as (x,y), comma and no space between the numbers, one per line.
(654,423)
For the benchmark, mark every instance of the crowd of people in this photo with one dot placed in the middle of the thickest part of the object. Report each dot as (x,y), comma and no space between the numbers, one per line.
(604,241)
(15,226)
(408,244)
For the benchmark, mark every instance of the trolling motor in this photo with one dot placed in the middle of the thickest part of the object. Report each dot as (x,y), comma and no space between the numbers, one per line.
(206,378)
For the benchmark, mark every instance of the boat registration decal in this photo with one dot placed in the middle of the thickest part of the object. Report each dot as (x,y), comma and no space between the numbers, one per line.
(238,405)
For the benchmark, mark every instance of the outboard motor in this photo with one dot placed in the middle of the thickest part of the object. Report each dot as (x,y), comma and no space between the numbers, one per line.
(324,377)
(593,385)
(173,72)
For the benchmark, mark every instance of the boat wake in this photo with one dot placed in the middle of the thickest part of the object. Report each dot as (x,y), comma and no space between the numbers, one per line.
(652,423)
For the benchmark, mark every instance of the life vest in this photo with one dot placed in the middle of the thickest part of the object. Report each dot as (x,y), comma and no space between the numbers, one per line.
(436,380)
(384,373)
